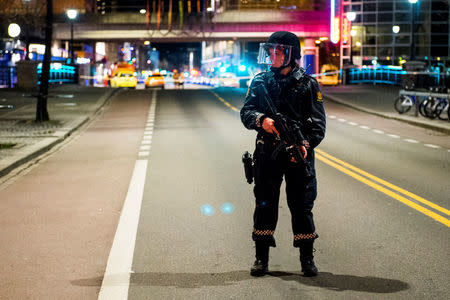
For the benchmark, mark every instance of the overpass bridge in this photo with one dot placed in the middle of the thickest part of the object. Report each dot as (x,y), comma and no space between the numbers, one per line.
(239,26)
(229,25)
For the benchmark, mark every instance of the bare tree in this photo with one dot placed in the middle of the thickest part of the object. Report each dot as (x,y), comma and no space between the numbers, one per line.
(41,108)
(32,16)
(29,14)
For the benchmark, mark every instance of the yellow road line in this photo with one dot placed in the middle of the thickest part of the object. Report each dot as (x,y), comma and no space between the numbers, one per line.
(385,183)
(390,193)
(225,102)
(321,156)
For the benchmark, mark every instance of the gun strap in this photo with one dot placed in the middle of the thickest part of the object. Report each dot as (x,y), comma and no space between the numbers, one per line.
(269,100)
(277,150)
(271,103)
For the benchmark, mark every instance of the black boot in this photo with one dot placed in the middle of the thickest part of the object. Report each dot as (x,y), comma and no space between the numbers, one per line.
(260,268)
(309,269)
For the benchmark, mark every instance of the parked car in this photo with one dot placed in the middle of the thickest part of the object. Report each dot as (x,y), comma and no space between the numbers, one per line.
(124,79)
(154,80)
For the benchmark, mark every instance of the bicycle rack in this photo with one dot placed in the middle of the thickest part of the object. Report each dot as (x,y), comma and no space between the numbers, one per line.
(422,94)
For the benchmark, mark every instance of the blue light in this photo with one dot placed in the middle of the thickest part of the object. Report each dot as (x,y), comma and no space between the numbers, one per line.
(242,68)
(227,208)
(207,210)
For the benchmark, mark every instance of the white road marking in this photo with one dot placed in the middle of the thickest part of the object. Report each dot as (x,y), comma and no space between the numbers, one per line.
(332,117)
(411,141)
(148,132)
(342,120)
(393,136)
(432,146)
(116,280)
(378,131)
(146,142)
(364,127)
(352,123)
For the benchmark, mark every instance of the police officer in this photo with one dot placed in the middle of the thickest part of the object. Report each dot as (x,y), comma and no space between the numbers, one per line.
(296,95)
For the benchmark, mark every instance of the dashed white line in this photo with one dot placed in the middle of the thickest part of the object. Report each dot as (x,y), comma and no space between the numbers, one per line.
(394,136)
(144,153)
(148,132)
(145,147)
(411,141)
(146,142)
(432,146)
(147,137)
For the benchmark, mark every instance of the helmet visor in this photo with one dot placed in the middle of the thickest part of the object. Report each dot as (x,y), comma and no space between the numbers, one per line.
(275,55)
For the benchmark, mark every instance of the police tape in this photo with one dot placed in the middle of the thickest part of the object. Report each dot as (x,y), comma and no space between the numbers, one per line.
(100,77)
(93,77)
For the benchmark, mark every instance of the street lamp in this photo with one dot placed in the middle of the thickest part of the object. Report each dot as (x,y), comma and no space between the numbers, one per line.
(413,44)
(351,16)
(13,30)
(72,14)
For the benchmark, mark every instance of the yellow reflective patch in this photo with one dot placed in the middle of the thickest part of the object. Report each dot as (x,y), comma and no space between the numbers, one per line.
(319,97)
(248,92)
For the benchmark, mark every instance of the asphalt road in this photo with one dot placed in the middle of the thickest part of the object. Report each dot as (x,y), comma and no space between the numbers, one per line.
(173,157)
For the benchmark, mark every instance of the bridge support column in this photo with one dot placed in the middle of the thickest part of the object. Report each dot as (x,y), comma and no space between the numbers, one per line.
(310,56)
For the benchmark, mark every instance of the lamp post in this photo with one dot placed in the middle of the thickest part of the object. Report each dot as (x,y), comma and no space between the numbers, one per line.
(351,16)
(13,32)
(72,14)
(413,43)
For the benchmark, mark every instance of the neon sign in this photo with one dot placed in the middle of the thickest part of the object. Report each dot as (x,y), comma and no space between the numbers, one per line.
(346,28)
(334,23)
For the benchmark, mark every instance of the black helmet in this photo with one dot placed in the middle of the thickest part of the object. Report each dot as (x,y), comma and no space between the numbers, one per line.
(287,38)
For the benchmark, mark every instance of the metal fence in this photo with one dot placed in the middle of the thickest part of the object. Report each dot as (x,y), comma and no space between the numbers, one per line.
(395,76)
(8,77)
(60,73)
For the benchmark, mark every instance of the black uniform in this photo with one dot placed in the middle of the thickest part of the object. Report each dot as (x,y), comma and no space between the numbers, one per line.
(301,100)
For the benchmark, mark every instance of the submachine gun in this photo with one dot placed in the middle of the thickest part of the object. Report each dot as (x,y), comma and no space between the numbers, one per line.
(290,138)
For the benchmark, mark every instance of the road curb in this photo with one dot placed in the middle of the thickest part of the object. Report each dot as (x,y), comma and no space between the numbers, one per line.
(48,143)
(418,123)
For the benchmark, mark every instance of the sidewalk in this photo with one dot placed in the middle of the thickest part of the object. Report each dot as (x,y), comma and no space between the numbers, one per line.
(21,139)
(379,100)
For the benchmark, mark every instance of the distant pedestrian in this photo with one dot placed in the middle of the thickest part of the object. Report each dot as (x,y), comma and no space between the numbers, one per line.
(296,96)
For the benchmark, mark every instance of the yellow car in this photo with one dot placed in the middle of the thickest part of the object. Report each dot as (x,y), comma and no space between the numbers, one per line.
(331,77)
(154,80)
(124,79)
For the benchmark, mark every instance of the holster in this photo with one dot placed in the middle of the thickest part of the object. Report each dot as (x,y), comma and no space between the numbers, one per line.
(249,169)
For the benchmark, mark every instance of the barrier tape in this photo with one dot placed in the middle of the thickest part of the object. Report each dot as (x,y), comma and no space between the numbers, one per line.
(100,77)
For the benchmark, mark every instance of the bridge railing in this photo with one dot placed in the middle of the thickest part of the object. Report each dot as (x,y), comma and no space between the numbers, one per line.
(394,76)
(271,4)
(59,73)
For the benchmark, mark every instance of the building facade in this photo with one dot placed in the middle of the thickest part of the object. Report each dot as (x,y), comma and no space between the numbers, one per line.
(382,30)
